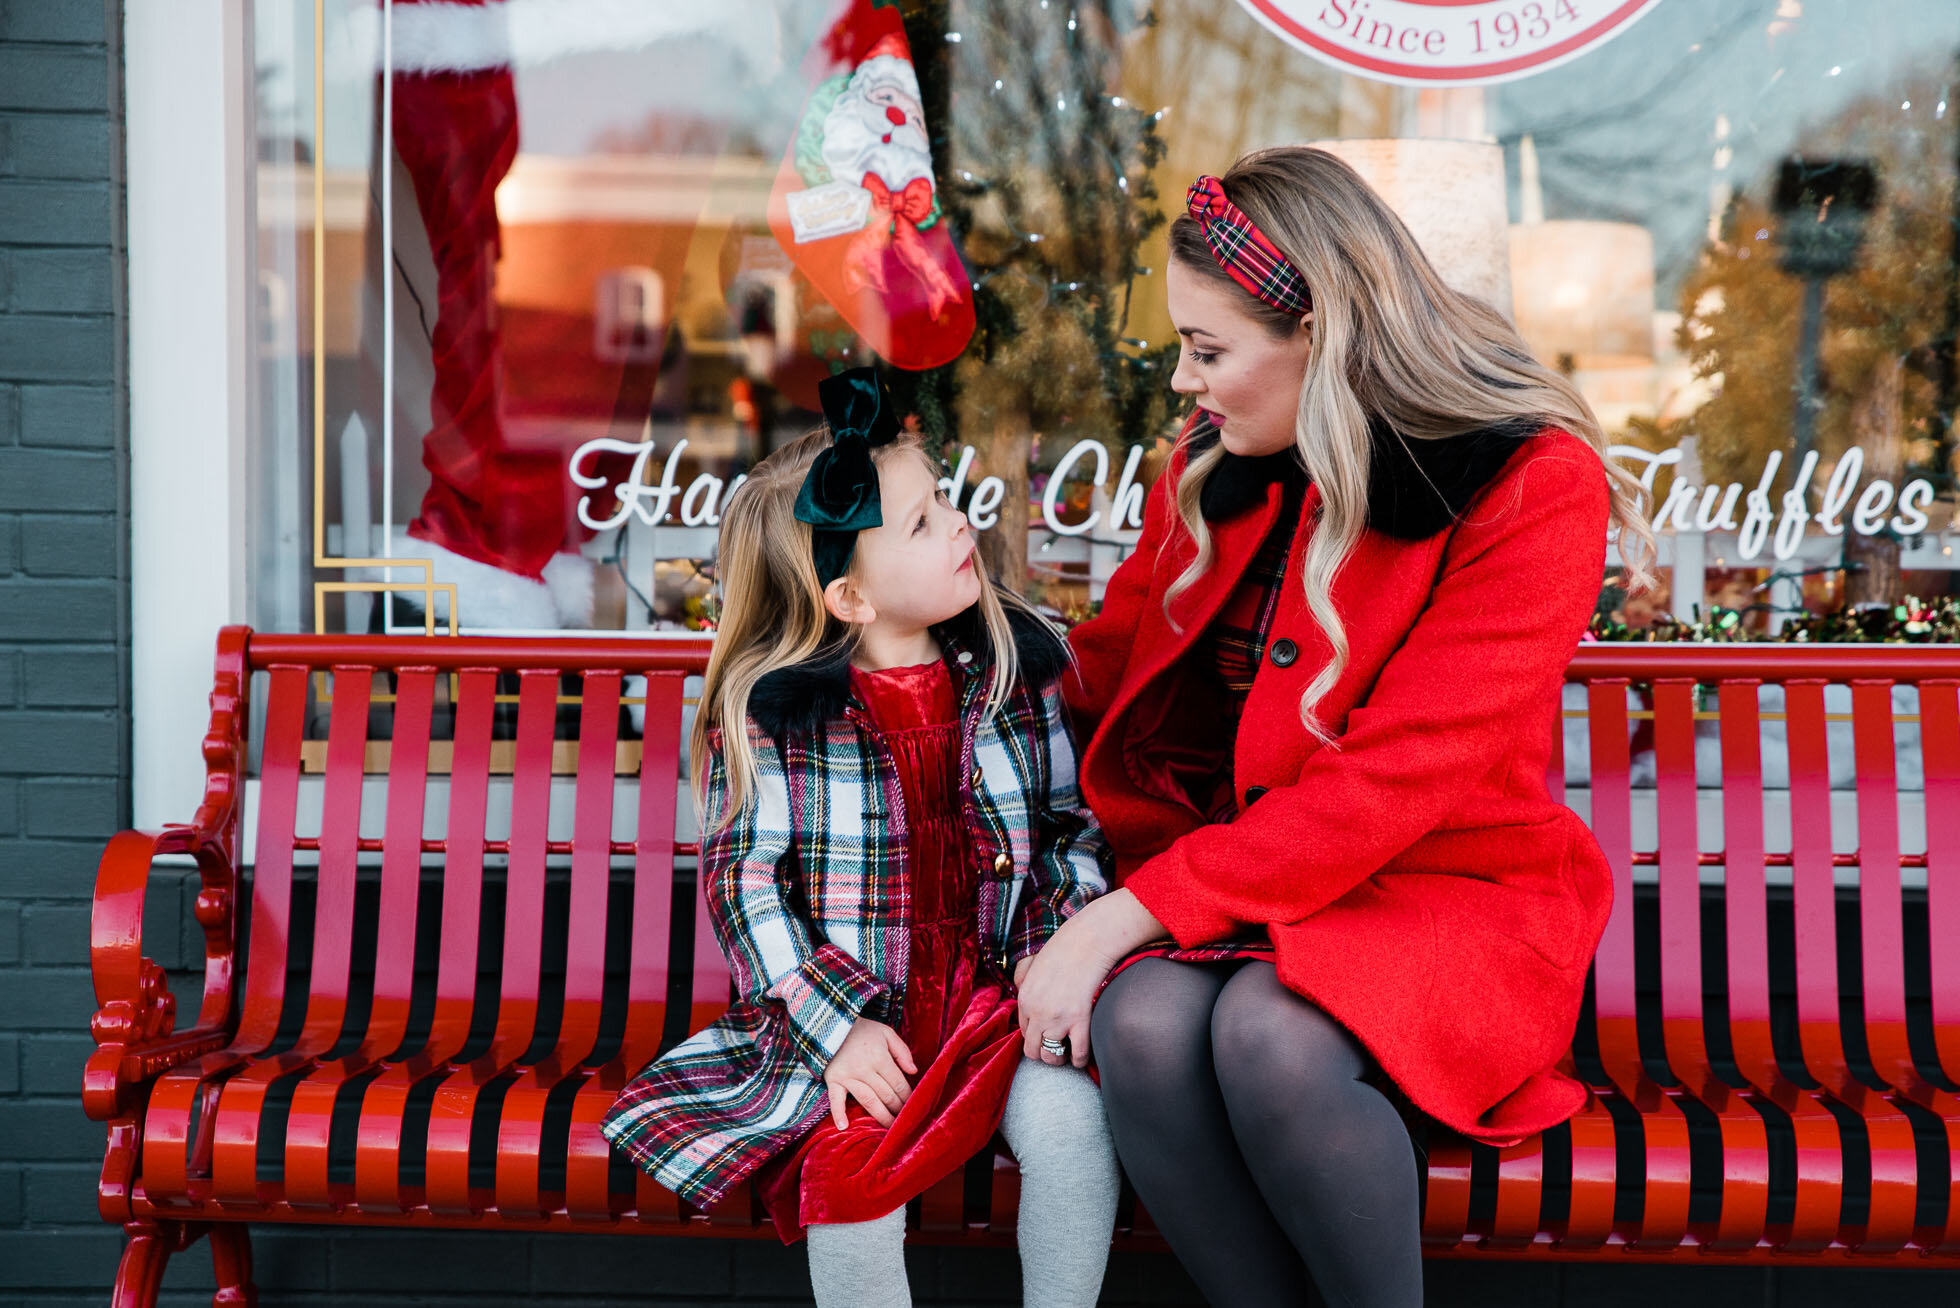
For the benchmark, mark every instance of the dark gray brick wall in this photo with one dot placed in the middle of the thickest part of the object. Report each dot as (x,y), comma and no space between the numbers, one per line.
(64,614)
(64,788)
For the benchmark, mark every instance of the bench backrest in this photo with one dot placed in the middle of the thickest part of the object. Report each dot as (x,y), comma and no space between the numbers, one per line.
(1792,713)
(387,758)
(359,735)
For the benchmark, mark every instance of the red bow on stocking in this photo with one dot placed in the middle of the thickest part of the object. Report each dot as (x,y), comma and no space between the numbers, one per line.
(863,266)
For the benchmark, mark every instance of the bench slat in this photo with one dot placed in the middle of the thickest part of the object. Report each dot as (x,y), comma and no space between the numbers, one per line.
(453,1111)
(309,1122)
(520,1132)
(1939,734)
(241,1102)
(378,1184)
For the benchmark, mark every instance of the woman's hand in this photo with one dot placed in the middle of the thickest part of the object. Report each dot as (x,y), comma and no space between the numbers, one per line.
(1058,984)
(870,1067)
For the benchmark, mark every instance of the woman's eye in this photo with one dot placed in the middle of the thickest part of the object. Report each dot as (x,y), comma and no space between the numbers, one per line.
(1201,357)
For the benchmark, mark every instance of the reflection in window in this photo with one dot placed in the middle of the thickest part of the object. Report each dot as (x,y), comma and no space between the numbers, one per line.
(620,242)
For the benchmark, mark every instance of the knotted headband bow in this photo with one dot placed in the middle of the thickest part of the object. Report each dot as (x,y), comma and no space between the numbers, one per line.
(1243,251)
(839,497)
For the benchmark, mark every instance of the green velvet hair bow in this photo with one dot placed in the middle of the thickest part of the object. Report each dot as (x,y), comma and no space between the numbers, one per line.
(840,496)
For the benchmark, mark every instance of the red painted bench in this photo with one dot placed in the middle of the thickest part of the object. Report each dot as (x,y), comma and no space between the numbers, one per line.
(393,973)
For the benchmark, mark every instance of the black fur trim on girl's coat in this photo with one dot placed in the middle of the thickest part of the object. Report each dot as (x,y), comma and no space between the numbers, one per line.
(1415,487)
(802,697)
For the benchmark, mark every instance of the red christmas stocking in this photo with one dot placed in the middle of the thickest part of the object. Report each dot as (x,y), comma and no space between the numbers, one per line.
(855,203)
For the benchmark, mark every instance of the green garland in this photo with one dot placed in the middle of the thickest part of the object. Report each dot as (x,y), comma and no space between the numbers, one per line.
(1912,621)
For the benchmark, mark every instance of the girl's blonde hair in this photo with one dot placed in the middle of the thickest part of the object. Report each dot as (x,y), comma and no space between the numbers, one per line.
(1390,340)
(773,614)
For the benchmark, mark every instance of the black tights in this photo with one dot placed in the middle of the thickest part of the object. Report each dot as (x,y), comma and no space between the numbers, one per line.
(1240,1114)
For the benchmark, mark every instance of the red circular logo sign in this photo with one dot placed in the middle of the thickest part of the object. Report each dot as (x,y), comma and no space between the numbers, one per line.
(1446,42)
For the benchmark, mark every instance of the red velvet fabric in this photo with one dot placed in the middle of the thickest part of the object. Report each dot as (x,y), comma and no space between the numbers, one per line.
(958,1016)
(1418,880)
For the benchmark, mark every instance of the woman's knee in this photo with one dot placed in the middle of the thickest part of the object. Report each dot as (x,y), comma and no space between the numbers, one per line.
(1273,1046)
(1153,1023)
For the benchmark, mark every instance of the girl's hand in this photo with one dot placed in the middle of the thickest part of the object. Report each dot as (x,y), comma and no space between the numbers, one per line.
(870,1067)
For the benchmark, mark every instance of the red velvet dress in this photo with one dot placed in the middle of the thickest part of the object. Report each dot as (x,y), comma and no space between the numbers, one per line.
(957,1015)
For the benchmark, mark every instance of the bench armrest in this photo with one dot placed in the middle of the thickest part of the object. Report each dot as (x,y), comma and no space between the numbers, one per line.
(134,1024)
(137,1015)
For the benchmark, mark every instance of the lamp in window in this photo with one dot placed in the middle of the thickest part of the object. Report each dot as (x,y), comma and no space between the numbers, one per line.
(1451,195)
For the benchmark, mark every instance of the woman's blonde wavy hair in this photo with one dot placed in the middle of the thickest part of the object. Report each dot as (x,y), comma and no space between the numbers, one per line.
(773,614)
(1390,340)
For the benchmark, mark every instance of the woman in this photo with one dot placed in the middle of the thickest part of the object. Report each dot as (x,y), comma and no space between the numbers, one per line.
(1316,715)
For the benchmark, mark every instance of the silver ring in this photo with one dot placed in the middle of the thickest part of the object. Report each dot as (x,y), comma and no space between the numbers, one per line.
(1056,1047)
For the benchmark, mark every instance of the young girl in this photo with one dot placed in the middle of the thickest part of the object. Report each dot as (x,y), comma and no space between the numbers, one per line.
(891,829)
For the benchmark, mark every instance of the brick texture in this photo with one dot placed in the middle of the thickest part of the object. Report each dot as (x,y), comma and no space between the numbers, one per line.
(64,545)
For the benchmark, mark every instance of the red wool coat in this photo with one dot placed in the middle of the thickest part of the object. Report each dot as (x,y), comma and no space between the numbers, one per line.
(1420,883)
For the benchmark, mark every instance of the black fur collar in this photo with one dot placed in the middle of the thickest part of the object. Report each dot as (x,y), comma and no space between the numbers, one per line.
(1415,487)
(800,698)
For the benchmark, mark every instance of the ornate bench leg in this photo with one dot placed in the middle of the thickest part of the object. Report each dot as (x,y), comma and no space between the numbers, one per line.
(140,1274)
(231,1259)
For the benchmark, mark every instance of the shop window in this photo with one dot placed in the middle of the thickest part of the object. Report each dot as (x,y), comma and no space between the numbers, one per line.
(630,316)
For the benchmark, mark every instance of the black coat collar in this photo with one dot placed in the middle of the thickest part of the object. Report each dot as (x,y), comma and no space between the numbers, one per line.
(802,697)
(1416,487)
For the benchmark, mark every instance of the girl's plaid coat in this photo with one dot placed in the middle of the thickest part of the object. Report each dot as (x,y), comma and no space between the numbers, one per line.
(808,893)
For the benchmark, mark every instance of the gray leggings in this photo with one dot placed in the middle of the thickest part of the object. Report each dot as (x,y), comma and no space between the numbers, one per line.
(1054,1124)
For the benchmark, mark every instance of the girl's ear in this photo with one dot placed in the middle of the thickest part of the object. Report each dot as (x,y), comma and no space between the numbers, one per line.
(846,603)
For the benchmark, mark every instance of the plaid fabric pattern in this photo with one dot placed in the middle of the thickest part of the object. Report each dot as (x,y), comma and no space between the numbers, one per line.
(807,893)
(1237,636)
(1244,252)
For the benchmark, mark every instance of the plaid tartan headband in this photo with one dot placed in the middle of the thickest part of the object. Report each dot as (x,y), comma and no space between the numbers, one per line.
(1243,251)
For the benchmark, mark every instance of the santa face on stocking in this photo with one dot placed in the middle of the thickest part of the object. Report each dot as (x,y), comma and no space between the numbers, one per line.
(877,127)
(855,202)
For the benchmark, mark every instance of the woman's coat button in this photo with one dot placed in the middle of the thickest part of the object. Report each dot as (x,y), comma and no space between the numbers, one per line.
(1283,653)
(1003,863)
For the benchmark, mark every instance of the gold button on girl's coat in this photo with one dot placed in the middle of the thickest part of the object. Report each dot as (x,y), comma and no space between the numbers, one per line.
(1002,863)
(978,777)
